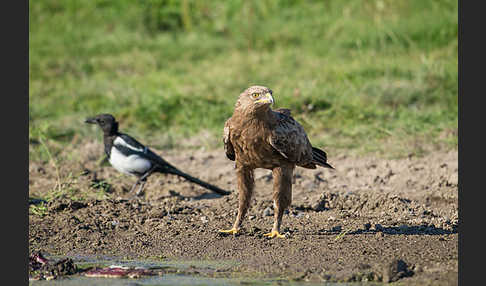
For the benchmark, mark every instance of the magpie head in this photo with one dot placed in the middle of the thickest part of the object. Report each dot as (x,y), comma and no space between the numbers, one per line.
(107,122)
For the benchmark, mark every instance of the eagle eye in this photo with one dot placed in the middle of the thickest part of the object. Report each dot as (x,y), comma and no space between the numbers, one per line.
(255,95)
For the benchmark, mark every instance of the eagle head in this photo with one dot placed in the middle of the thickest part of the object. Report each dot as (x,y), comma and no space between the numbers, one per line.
(255,98)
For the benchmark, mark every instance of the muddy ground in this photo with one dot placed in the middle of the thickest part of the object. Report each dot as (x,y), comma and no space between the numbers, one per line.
(371,219)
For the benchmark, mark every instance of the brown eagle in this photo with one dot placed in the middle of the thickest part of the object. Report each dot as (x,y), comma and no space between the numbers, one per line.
(258,137)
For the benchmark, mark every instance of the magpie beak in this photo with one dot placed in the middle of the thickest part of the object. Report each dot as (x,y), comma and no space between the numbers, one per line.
(90,120)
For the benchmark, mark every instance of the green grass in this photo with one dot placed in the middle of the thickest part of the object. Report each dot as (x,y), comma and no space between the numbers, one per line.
(40,210)
(363,76)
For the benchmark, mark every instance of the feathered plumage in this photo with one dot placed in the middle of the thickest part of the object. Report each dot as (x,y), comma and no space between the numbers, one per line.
(129,156)
(256,136)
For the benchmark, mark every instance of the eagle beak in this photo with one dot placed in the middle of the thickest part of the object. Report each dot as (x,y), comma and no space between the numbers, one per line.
(266,99)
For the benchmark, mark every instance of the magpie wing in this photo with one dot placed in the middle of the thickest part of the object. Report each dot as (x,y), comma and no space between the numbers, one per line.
(129,145)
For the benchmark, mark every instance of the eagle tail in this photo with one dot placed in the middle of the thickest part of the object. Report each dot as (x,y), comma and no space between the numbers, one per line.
(319,157)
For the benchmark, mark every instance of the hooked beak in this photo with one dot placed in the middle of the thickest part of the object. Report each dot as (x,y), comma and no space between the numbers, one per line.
(266,99)
(90,120)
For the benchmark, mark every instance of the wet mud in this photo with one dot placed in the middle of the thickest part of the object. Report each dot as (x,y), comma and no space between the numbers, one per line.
(371,219)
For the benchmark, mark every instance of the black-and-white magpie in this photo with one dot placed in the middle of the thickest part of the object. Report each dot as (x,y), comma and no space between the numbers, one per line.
(129,156)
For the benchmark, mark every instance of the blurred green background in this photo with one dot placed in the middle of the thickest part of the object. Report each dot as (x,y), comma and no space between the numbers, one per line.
(362,76)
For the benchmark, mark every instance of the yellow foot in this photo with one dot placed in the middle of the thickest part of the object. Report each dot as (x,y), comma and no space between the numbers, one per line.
(229,231)
(274,234)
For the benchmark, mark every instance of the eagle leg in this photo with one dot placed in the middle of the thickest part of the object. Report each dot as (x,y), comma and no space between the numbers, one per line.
(282,196)
(246,184)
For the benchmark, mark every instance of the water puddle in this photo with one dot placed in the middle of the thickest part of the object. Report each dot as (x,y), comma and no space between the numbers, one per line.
(168,279)
(166,272)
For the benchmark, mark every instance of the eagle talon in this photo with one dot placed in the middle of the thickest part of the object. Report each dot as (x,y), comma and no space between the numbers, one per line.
(229,231)
(274,234)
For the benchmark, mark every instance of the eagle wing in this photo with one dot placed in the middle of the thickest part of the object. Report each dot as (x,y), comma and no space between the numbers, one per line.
(228,147)
(289,138)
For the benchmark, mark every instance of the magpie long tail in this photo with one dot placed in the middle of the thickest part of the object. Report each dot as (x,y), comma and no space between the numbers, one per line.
(175,171)
(320,158)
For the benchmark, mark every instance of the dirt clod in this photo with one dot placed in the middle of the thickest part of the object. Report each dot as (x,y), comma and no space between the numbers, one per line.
(395,270)
(42,269)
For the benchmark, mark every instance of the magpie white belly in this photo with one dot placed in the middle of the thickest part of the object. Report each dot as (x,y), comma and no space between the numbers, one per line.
(128,164)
